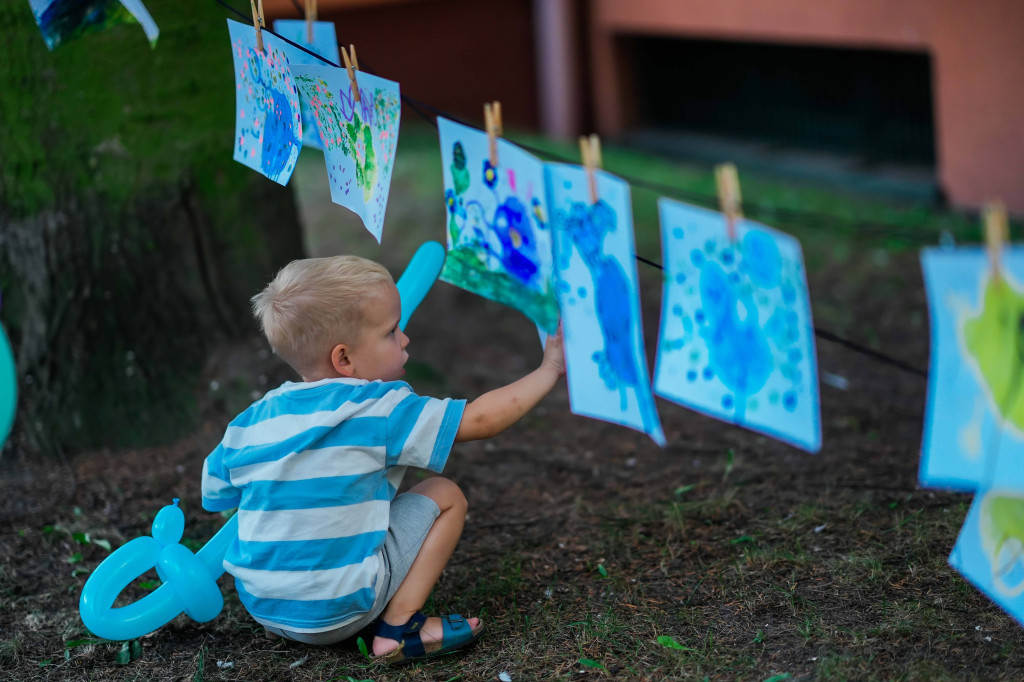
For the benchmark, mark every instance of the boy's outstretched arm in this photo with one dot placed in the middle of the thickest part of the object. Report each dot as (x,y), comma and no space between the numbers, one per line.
(496,410)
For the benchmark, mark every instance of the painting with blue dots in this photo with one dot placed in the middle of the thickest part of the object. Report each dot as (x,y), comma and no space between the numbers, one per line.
(989,552)
(499,239)
(737,340)
(974,416)
(268,122)
(596,281)
(325,44)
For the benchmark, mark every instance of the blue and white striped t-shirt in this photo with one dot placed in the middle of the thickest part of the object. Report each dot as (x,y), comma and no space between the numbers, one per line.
(312,468)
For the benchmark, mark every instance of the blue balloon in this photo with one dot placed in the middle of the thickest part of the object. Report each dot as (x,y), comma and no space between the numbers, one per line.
(419,276)
(8,387)
(189,580)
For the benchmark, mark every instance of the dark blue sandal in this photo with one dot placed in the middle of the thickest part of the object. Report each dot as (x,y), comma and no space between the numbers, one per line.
(456,634)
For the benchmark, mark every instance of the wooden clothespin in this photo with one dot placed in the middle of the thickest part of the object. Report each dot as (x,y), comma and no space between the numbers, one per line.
(997,233)
(590,151)
(351,65)
(310,18)
(728,183)
(257,22)
(492,123)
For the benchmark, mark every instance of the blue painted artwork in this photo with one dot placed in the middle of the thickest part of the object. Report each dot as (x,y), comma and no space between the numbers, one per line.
(499,239)
(359,138)
(974,419)
(63,20)
(736,339)
(990,549)
(268,123)
(599,298)
(325,44)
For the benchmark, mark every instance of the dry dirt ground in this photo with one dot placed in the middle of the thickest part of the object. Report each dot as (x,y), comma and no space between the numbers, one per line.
(589,551)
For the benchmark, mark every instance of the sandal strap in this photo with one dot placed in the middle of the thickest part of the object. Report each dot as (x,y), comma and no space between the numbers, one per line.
(456,631)
(399,632)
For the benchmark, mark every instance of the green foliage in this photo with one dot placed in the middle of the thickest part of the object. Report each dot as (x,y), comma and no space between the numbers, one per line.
(361,643)
(107,111)
(671,643)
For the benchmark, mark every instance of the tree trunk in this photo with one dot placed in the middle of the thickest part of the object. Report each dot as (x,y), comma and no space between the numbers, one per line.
(130,242)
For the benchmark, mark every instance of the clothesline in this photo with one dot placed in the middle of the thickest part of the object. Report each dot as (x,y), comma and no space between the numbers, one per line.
(693,197)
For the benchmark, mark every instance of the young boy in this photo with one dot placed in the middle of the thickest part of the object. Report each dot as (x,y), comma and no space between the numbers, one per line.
(324,545)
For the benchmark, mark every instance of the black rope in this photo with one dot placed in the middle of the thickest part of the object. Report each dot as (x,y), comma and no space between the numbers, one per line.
(418,106)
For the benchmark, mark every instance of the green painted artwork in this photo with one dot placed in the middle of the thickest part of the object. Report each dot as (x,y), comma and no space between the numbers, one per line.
(359,138)
(990,549)
(499,240)
(974,419)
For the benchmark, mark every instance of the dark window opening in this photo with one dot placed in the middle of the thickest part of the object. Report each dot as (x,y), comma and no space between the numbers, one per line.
(872,104)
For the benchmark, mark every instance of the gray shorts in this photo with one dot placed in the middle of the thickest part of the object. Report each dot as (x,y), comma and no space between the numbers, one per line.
(412,516)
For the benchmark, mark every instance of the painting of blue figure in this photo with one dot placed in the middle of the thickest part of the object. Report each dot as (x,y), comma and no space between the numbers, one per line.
(63,20)
(736,339)
(499,239)
(989,552)
(359,138)
(974,418)
(268,122)
(325,44)
(595,267)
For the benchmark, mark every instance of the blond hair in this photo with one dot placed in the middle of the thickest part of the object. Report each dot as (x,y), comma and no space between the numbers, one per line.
(316,303)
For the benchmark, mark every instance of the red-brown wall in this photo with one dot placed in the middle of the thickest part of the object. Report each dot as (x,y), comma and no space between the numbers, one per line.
(977,51)
(452,54)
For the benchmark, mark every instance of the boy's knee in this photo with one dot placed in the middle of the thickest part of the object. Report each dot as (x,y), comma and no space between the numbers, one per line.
(446,493)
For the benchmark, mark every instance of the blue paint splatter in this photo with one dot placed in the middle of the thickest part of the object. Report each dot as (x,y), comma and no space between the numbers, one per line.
(738,351)
(761,259)
(279,141)
(586,226)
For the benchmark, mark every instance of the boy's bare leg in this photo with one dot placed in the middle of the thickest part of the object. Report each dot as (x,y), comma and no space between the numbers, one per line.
(433,556)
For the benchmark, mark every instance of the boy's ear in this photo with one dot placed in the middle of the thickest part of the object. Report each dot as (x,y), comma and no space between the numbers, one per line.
(341,361)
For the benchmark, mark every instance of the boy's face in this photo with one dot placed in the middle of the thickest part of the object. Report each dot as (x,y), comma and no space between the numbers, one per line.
(380,351)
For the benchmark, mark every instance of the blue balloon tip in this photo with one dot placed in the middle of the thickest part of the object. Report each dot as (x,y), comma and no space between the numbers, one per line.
(175,501)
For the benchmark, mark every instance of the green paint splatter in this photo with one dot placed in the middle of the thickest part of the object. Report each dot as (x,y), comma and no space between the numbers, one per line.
(995,339)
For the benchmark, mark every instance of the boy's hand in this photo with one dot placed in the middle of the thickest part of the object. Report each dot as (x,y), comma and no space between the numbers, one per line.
(496,410)
(554,354)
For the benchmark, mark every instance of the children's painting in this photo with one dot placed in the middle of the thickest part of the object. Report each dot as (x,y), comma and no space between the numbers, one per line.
(268,123)
(990,549)
(499,240)
(359,138)
(63,20)
(974,419)
(325,44)
(736,340)
(597,290)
